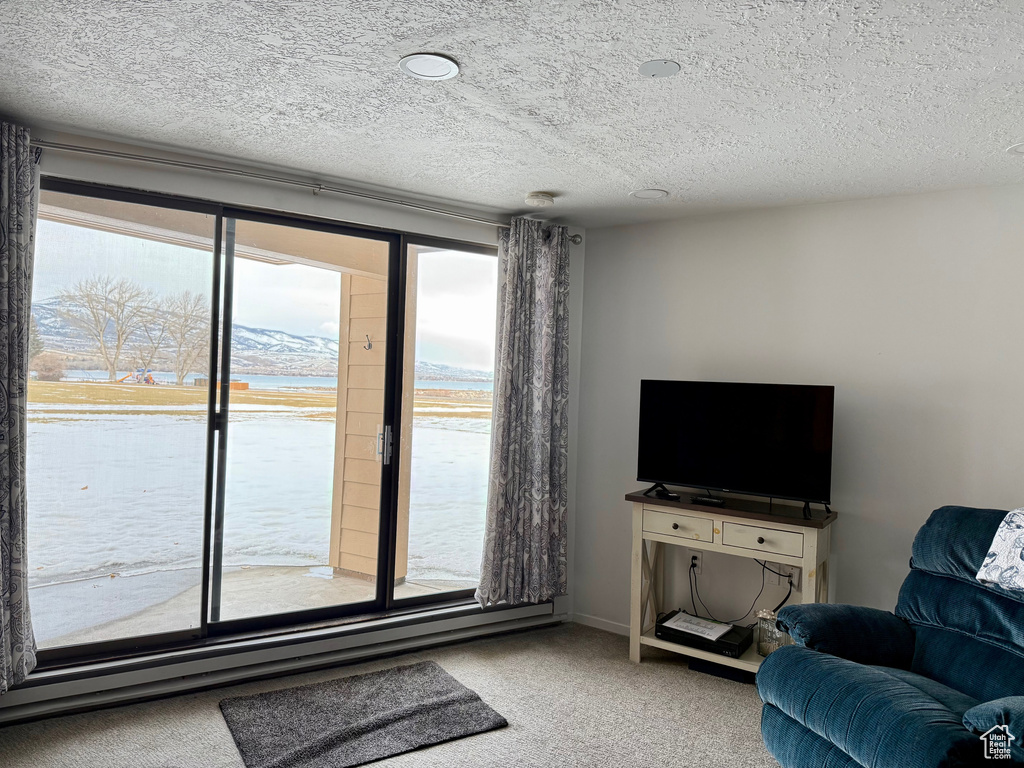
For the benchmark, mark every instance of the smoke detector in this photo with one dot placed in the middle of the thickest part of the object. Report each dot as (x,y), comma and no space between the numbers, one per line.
(540,199)
(429,66)
(659,68)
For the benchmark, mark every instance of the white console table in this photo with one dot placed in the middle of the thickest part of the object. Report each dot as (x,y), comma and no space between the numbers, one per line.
(748,529)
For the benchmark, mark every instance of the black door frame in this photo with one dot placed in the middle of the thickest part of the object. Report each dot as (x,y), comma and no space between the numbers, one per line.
(50,657)
(387,505)
(384,602)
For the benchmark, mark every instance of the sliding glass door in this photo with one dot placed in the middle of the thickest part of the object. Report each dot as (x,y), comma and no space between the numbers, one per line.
(240,422)
(303,443)
(116,433)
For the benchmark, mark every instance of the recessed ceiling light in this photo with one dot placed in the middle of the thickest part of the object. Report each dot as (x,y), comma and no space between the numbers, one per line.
(1016,149)
(648,194)
(659,68)
(429,66)
(540,199)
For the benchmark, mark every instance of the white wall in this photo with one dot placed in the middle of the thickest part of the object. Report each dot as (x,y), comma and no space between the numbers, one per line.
(911,306)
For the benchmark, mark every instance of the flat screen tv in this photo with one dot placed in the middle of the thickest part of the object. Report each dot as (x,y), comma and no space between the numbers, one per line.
(758,439)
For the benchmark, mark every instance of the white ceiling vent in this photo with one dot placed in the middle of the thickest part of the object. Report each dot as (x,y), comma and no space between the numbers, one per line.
(429,66)
(649,194)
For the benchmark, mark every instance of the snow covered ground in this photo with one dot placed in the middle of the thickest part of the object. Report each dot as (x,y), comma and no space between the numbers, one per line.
(118,494)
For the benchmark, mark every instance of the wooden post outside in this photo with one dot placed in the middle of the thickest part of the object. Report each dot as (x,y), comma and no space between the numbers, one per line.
(359,490)
(340,423)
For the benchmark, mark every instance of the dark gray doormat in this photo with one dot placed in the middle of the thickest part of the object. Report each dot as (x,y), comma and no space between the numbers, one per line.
(356,720)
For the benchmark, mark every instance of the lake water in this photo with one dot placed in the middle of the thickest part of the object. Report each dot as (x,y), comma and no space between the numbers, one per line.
(116,492)
(281,382)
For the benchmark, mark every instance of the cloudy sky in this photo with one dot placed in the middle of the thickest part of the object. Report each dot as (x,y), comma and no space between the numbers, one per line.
(456,307)
(456,300)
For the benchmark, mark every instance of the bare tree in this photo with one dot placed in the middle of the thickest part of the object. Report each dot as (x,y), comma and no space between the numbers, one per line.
(153,334)
(188,331)
(108,311)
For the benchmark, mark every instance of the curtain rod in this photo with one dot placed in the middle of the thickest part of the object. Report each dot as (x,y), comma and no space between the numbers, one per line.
(316,187)
(312,185)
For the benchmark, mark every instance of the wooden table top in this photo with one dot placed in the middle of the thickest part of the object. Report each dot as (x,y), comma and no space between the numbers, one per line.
(776,512)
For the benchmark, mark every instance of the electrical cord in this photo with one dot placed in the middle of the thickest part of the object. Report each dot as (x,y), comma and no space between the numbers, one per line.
(695,591)
(786,598)
(689,579)
(789,577)
(711,615)
(764,565)
(693,586)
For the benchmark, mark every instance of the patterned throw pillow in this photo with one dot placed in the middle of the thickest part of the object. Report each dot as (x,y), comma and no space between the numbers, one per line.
(1004,563)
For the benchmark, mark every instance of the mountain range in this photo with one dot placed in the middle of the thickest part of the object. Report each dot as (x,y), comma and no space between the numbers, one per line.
(262,351)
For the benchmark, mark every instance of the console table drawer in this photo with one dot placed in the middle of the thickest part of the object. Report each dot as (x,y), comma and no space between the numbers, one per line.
(763,539)
(683,526)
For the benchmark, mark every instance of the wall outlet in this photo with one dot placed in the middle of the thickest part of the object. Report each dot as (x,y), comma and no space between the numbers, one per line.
(788,570)
(699,555)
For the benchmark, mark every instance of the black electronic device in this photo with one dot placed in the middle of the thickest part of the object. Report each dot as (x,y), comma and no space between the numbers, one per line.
(771,440)
(732,644)
(708,501)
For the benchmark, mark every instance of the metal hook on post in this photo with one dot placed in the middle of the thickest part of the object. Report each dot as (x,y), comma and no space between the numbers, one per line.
(369,344)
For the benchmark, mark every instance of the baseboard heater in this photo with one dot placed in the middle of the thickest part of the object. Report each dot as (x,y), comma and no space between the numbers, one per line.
(105,684)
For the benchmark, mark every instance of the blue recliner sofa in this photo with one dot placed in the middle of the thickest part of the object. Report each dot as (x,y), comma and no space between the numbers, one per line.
(916,688)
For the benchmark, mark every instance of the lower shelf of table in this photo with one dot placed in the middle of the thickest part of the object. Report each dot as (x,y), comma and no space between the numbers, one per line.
(749,661)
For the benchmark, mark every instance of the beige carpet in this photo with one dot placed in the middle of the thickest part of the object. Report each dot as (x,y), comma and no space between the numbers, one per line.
(570,694)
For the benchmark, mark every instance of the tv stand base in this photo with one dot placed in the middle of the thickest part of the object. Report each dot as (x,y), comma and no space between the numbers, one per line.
(756,536)
(659,491)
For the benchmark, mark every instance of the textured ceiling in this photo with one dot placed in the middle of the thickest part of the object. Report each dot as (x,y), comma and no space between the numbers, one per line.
(778,101)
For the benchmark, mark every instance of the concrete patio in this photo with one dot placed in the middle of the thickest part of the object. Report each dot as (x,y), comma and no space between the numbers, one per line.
(115,608)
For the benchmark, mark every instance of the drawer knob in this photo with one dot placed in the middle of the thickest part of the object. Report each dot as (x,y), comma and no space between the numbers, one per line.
(675,526)
(760,539)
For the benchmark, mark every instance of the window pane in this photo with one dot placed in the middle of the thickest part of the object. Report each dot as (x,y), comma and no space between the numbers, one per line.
(116,429)
(451,307)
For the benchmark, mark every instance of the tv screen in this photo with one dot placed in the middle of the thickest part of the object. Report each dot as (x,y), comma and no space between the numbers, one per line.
(759,439)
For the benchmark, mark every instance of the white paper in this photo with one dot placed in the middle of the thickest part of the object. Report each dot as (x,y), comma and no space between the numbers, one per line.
(709,630)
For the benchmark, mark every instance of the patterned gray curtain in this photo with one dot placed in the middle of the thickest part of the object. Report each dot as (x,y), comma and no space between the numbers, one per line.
(19,197)
(525,540)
